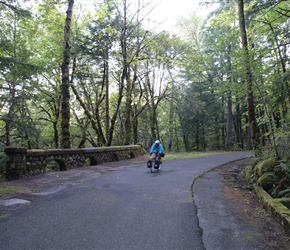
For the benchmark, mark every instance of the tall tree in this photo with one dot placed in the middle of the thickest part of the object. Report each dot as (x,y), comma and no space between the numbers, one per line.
(132,39)
(65,93)
(229,99)
(249,76)
(16,72)
(49,50)
(126,75)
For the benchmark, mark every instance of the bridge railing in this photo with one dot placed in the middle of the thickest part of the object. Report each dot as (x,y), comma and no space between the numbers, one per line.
(23,162)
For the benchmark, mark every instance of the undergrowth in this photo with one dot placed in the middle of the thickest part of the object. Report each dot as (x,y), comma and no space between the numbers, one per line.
(274,180)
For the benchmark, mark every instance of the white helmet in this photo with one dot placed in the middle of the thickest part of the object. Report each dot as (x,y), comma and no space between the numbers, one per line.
(157,142)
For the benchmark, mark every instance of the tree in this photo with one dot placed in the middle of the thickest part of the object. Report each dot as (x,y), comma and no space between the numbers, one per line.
(17,70)
(132,85)
(248,76)
(65,93)
(48,49)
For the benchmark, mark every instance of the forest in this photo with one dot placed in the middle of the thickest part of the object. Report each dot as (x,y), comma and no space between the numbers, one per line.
(73,77)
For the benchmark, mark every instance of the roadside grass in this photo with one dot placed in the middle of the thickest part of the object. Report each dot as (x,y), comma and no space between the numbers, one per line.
(186,155)
(10,190)
(13,190)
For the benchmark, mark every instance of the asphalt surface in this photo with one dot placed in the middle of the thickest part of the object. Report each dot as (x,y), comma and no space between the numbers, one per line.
(130,208)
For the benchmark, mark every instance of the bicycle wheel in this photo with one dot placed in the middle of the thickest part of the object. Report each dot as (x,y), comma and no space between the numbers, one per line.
(152,165)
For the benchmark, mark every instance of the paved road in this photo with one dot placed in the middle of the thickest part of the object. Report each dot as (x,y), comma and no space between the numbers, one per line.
(125,209)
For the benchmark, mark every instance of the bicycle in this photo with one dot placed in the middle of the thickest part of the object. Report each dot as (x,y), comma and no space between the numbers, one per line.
(154,163)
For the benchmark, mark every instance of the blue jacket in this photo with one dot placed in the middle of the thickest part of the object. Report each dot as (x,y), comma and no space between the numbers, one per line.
(156,149)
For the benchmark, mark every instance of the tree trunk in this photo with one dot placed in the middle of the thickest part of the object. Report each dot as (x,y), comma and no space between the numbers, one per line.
(238,127)
(223,126)
(135,131)
(55,134)
(249,77)
(94,123)
(229,101)
(65,105)
(153,118)
(128,137)
(229,120)
(94,120)
(12,91)
(9,119)
(128,129)
(153,124)
(171,114)
(107,88)
(115,115)
(197,132)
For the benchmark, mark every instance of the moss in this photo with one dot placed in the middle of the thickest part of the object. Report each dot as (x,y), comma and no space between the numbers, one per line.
(286,202)
(275,206)
(267,180)
(254,161)
(264,166)
(278,207)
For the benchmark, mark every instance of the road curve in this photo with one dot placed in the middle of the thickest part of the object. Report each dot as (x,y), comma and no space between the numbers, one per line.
(129,208)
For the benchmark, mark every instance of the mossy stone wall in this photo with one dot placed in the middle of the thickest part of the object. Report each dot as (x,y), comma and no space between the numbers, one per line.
(23,162)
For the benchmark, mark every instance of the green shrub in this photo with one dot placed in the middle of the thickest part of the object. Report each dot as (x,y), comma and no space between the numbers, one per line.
(52,166)
(281,187)
(282,170)
(267,181)
(248,174)
(272,175)
(265,166)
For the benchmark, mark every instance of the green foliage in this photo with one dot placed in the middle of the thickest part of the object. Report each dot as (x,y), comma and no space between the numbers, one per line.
(52,166)
(284,193)
(197,59)
(282,170)
(248,174)
(264,166)
(267,181)
(182,83)
(233,183)
(274,178)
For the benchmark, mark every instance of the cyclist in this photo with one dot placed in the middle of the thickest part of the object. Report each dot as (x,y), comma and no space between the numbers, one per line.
(158,148)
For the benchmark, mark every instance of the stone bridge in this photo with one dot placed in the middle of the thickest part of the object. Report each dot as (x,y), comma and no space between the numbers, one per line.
(23,162)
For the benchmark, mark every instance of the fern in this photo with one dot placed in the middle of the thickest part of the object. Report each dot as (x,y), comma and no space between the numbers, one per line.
(275,192)
(283,193)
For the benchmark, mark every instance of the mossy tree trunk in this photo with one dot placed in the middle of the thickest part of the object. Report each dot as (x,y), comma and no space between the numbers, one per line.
(65,105)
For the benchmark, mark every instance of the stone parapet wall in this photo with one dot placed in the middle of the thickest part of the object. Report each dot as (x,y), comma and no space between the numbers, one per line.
(23,162)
